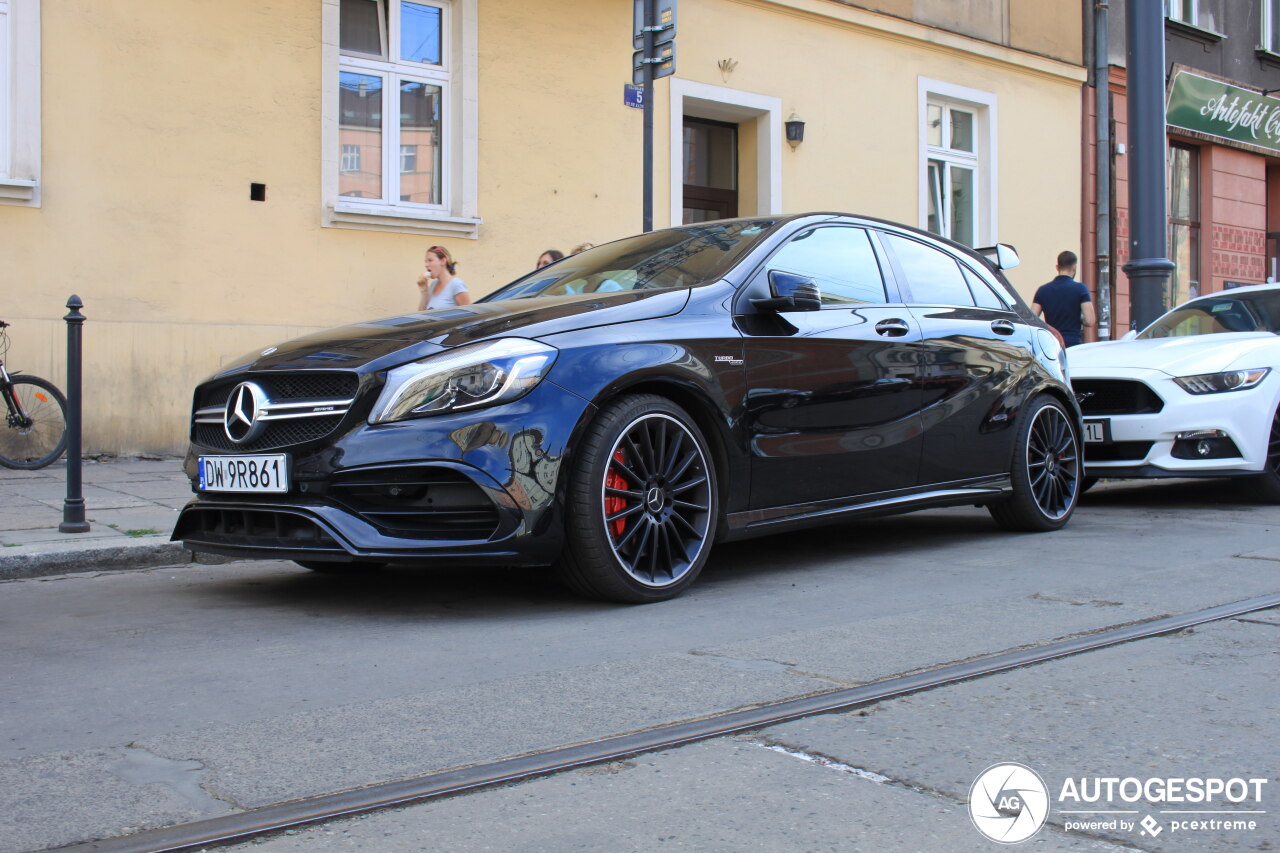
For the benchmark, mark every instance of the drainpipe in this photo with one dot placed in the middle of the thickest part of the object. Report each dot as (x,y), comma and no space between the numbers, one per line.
(1149,265)
(1102,173)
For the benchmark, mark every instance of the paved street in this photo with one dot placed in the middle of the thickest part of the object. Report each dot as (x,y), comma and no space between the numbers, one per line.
(156,696)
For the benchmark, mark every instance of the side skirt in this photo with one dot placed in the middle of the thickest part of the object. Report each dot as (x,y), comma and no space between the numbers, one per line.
(742,525)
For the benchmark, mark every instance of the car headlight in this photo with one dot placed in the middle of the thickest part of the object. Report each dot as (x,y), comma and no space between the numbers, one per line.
(1216,383)
(483,374)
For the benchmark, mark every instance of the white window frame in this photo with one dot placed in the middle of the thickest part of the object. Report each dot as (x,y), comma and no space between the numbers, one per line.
(20,102)
(986,180)
(457,77)
(1270,11)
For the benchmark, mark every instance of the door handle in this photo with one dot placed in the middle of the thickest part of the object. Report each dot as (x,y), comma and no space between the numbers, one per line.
(1002,327)
(892,328)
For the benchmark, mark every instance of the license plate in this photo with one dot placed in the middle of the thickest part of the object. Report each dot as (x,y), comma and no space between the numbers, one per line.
(261,473)
(1097,432)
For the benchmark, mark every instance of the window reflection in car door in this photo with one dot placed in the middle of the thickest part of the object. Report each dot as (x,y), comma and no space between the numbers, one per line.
(975,350)
(833,395)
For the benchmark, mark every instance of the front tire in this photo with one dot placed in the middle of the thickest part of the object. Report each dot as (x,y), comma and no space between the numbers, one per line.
(641,505)
(39,440)
(1266,486)
(1046,469)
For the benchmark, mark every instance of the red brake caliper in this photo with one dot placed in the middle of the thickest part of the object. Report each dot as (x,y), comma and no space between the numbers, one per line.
(612,503)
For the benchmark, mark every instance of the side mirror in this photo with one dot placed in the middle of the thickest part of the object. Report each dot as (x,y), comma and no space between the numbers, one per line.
(791,292)
(1129,335)
(1002,256)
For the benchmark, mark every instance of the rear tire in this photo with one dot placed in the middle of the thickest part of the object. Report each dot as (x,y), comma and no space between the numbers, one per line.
(1046,469)
(641,505)
(1266,486)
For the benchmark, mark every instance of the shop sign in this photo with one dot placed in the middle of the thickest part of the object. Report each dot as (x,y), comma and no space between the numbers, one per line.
(1209,106)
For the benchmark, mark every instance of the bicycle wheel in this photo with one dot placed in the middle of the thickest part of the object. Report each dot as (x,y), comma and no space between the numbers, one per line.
(41,437)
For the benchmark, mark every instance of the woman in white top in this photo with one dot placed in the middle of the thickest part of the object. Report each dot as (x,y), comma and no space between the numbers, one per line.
(439,287)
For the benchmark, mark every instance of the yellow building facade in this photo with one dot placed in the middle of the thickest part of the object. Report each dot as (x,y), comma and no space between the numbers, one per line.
(211,178)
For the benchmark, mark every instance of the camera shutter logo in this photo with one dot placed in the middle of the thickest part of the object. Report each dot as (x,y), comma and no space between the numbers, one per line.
(245,408)
(1008,803)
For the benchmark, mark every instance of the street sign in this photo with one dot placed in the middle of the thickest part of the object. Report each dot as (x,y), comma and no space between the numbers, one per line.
(664,16)
(633,96)
(664,63)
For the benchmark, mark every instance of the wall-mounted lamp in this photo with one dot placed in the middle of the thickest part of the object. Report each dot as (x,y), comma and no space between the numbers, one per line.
(795,130)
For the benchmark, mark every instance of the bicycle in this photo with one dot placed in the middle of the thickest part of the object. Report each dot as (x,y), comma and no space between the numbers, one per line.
(35,432)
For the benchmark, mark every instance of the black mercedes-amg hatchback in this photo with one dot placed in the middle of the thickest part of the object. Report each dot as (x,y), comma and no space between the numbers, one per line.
(615,413)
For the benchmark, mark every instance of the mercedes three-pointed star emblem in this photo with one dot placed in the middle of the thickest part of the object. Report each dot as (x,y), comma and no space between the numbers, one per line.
(243,417)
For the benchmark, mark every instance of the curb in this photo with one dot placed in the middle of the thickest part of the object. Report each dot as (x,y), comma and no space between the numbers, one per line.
(141,554)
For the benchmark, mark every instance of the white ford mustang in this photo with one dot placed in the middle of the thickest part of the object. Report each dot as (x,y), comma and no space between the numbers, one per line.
(1195,394)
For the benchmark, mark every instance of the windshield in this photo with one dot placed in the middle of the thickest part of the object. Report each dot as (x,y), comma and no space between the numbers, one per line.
(677,257)
(1247,312)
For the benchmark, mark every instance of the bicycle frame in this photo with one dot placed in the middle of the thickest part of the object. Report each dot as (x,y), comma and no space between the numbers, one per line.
(16,417)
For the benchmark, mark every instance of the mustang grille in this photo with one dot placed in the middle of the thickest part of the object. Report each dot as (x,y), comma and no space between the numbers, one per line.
(1116,397)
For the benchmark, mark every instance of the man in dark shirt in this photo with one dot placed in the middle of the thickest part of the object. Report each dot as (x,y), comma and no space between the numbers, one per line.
(1065,303)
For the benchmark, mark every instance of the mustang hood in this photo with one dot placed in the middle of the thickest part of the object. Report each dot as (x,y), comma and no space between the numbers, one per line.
(1183,356)
(379,344)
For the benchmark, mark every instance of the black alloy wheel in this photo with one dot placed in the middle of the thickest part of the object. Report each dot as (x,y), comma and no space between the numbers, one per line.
(1266,486)
(1046,470)
(642,503)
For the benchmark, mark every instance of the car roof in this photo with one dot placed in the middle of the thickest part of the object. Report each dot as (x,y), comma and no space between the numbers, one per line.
(1246,289)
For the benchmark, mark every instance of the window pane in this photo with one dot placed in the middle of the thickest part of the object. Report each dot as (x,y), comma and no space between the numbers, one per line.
(420,33)
(359,28)
(982,292)
(962,205)
(934,277)
(961,130)
(360,135)
(1184,251)
(1273,28)
(841,262)
(710,155)
(1205,13)
(1183,183)
(934,131)
(935,198)
(420,142)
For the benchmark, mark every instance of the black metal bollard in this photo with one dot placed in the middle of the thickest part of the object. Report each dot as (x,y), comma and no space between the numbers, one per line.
(73,507)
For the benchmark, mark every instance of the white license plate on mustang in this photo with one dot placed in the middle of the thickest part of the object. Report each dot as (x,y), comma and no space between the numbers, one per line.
(268,472)
(1097,432)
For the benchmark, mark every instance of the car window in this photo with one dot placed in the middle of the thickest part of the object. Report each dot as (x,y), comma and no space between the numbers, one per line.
(675,257)
(982,292)
(933,276)
(1255,312)
(839,260)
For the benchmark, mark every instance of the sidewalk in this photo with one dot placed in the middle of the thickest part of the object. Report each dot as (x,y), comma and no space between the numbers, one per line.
(131,505)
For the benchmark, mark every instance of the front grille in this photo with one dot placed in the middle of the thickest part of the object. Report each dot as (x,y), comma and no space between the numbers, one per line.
(1116,397)
(316,385)
(277,434)
(254,528)
(290,424)
(1117,451)
(418,503)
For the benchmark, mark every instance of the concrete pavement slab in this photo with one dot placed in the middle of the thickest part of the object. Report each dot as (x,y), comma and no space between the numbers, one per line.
(119,494)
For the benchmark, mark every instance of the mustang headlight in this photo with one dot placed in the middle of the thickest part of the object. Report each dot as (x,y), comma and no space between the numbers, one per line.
(483,374)
(1216,383)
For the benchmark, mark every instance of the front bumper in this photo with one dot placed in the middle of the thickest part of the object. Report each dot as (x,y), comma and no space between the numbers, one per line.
(1147,445)
(477,488)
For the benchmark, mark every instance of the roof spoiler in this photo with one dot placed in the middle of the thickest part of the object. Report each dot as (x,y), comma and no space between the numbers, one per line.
(1002,256)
